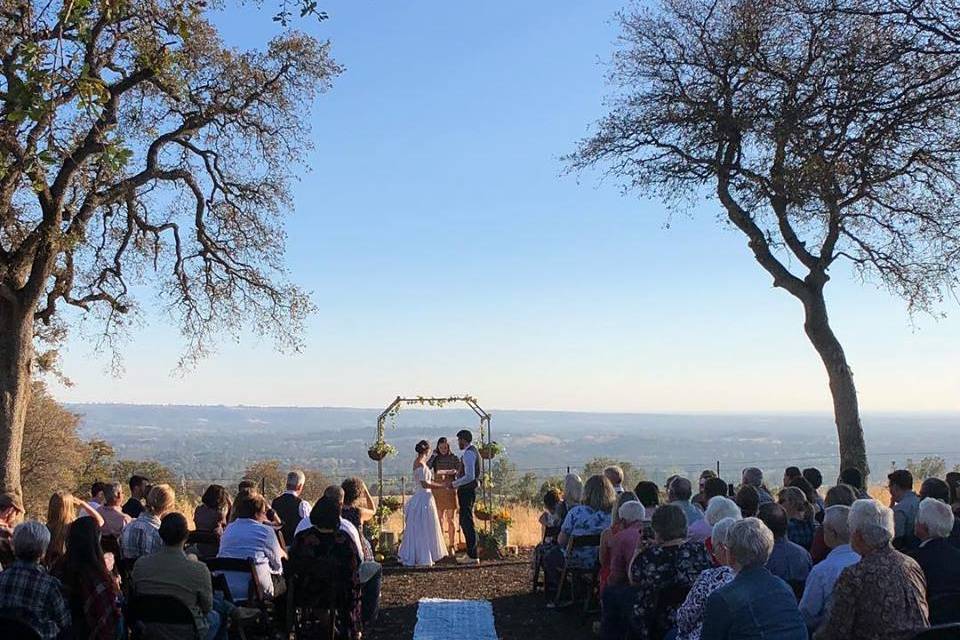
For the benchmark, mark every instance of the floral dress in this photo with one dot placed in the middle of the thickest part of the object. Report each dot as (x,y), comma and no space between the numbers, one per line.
(657,571)
(690,613)
(585,521)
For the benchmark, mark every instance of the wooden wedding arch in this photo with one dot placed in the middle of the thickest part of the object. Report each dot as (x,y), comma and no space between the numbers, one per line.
(486,495)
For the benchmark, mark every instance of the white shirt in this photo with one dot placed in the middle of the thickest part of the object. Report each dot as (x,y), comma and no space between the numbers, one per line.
(304,505)
(83,512)
(246,538)
(345,525)
(469,459)
(823,577)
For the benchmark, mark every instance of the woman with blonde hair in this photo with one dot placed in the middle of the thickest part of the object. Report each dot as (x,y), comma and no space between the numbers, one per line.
(61,512)
(801,525)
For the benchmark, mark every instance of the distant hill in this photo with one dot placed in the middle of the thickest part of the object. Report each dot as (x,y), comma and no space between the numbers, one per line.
(218,442)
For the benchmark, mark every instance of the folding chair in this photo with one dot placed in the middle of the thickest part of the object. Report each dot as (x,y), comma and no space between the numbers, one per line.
(663,614)
(206,543)
(549,536)
(578,574)
(312,597)
(254,594)
(156,616)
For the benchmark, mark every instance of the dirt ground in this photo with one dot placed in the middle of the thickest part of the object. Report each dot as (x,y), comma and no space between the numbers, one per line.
(518,614)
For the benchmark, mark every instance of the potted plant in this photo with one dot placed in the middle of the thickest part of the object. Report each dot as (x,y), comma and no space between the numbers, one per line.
(488,546)
(490,450)
(482,513)
(380,450)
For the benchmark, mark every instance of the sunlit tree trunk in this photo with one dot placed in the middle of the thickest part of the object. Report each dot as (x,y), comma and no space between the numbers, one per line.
(16,353)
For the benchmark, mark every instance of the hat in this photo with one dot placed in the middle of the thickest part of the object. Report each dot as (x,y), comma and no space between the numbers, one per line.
(8,500)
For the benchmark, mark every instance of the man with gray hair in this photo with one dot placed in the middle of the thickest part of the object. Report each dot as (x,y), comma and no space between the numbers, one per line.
(939,560)
(818,591)
(679,494)
(114,519)
(290,507)
(614,473)
(756,603)
(27,589)
(882,597)
(753,477)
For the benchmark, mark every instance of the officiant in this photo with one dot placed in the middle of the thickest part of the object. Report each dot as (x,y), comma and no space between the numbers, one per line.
(444,464)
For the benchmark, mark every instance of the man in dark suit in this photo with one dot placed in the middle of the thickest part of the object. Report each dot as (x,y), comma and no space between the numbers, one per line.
(939,560)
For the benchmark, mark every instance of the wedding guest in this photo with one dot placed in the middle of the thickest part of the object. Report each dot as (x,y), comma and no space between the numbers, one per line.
(810,494)
(26,587)
(882,597)
(815,478)
(138,492)
(61,513)
(789,474)
(11,512)
(748,499)
(753,477)
(550,522)
(788,561)
(702,528)
(290,507)
(614,473)
(96,498)
(939,560)
(572,492)
(334,492)
(325,539)
(718,509)
(606,538)
(371,573)
(800,518)
(213,511)
(444,463)
(701,499)
(842,494)
(953,483)
(114,519)
(623,545)
(91,591)
(690,613)
(672,562)
(590,517)
(939,490)
(679,495)
(648,493)
(904,503)
(358,505)
(142,536)
(818,591)
(851,476)
(249,536)
(755,604)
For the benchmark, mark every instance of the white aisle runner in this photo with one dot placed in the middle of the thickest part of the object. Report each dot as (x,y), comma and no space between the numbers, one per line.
(439,619)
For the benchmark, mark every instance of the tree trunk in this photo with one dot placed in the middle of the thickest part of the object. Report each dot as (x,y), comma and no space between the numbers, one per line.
(846,411)
(16,354)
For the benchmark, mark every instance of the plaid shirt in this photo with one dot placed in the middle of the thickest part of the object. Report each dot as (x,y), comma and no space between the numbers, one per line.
(27,588)
(141,537)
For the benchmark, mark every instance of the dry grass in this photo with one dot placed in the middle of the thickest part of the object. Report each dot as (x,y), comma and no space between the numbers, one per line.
(524,530)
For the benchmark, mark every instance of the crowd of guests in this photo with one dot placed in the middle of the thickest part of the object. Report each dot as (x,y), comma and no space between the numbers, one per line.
(76,574)
(737,563)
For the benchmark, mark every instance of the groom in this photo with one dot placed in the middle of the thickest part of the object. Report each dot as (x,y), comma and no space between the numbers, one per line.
(466,486)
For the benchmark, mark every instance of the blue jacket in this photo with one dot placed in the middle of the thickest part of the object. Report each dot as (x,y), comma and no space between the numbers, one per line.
(756,605)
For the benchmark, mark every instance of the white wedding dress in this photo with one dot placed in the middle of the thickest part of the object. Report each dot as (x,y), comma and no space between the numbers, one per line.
(422,543)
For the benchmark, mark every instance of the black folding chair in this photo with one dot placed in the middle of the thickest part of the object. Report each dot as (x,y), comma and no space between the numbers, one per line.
(590,577)
(254,595)
(156,616)
(313,592)
(206,543)
(15,625)
(662,616)
(549,536)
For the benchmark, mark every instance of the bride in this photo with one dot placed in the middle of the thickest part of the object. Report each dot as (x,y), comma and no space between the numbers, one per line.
(422,543)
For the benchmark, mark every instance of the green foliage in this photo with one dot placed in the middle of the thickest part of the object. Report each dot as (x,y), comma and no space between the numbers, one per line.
(927,467)
(631,474)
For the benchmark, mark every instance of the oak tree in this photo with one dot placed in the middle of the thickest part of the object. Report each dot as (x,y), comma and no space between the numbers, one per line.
(139,152)
(826,134)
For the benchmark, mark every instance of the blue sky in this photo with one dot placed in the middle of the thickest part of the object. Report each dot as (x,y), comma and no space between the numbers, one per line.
(446,253)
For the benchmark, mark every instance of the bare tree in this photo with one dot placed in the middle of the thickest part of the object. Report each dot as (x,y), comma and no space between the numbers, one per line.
(137,150)
(826,135)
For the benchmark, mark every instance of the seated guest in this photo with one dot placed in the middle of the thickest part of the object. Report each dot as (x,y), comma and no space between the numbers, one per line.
(690,613)
(701,499)
(679,495)
(700,529)
(904,503)
(852,477)
(818,591)
(810,494)
(336,493)
(953,483)
(290,507)
(324,538)
(139,487)
(939,560)
(800,520)
(614,474)
(29,590)
(590,517)
(842,494)
(648,493)
(91,591)
(815,478)
(114,519)
(61,513)
(719,508)
(249,536)
(748,499)
(213,511)
(623,545)
(788,561)
(882,597)
(755,604)
(939,490)
(11,511)
(358,506)
(606,538)
(572,493)
(753,477)
(789,474)
(96,495)
(142,536)
(549,518)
